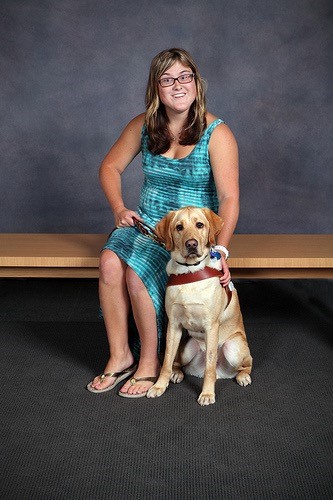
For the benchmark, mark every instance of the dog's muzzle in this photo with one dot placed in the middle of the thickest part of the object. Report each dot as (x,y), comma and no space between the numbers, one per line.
(191,246)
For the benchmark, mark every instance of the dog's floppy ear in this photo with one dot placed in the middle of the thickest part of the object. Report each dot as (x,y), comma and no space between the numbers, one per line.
(215,224)
(163,230)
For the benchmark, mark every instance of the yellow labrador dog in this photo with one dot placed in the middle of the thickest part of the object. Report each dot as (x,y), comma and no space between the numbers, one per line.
(195,300)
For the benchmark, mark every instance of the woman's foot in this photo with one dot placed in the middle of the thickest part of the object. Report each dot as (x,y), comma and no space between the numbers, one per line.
(104,382)
(142,380)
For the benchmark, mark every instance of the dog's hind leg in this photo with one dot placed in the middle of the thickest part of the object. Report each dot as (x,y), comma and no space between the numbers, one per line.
(188,350)
(177,375)
(237,353)
(187,357)
(243,376)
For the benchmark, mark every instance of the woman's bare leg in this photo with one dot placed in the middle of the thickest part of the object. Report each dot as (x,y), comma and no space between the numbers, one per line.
(114,303)
(145,319)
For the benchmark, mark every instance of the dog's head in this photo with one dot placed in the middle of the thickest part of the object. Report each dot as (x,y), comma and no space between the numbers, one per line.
(189,232)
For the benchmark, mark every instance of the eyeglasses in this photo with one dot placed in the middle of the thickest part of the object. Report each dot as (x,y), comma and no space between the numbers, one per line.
(168,81)
(147,231)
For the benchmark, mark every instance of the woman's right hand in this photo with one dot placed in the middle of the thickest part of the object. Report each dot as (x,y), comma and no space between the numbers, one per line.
(124,217)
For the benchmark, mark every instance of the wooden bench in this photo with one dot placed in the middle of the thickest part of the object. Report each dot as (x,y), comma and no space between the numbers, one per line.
(251,255)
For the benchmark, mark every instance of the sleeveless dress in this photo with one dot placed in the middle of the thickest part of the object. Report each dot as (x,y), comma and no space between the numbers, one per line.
(169,184)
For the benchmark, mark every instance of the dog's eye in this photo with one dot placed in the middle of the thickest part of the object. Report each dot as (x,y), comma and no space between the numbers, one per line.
(199,225)
(179,227)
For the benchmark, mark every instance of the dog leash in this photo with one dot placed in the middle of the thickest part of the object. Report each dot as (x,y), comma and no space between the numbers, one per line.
(148,231)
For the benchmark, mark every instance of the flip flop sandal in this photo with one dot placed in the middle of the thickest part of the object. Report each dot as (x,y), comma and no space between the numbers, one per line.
(120,377)
(133,381)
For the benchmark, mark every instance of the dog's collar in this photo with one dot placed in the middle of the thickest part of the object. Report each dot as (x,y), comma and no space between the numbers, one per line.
(190,265)
(203,274)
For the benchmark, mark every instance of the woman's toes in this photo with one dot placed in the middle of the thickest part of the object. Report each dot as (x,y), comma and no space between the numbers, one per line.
(125,387)
(137,387)
(99,383)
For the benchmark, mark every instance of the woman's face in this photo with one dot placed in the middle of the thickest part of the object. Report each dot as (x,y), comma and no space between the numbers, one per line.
(178,97)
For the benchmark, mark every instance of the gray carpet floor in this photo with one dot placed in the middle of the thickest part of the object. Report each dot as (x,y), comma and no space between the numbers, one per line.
(271,440)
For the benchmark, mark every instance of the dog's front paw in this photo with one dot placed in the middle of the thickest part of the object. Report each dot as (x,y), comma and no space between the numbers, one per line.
(156,391)
(243,379)
(206,399)
(177,376)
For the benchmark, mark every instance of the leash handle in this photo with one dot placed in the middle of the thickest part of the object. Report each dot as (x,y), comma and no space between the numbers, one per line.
(148,231)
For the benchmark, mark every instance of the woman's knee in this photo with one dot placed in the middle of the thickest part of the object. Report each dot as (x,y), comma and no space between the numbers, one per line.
(134,283)
(111,267)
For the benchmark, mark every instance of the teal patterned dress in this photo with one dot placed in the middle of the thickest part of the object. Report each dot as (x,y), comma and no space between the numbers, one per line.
(169,184)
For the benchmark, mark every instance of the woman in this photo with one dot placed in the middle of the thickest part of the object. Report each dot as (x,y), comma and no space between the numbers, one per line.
(189,157)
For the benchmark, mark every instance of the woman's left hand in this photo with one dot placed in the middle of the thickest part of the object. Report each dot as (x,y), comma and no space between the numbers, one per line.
(226,278)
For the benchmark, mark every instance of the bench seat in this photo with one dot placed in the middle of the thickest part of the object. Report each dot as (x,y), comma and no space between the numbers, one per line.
(24,255)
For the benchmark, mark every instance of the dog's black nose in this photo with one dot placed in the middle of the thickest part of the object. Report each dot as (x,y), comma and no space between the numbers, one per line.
(191,244)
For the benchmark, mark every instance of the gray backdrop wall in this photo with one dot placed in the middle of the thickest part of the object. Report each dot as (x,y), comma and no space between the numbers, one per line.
(73,73)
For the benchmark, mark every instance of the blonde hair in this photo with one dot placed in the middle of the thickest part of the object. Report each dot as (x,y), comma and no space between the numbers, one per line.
(156,118)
